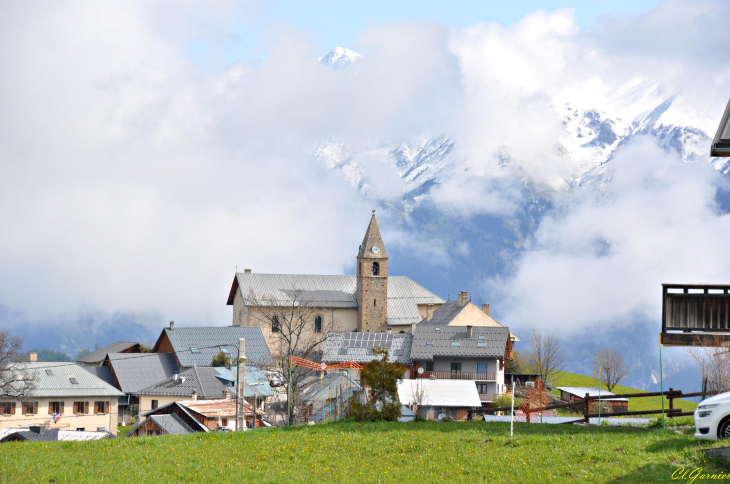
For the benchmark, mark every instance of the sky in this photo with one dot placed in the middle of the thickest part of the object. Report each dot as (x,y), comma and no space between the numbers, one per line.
(148,149)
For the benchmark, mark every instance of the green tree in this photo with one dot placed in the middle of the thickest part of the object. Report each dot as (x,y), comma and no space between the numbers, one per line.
(219,360)
(381,378)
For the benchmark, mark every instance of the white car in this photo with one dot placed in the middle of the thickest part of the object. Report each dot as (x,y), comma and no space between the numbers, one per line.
(712,418)
(275,378)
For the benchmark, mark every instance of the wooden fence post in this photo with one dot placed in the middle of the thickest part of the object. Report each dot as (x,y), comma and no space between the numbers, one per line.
(671,400)
(587,409)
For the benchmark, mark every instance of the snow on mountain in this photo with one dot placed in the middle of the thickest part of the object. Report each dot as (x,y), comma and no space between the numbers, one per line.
(340,58)
(591,135)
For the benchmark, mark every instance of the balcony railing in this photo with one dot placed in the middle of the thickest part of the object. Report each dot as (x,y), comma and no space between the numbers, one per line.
(458,375)
(490,397)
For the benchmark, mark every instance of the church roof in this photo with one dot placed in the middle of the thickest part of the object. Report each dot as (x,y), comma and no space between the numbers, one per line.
(404,294)
(372,237)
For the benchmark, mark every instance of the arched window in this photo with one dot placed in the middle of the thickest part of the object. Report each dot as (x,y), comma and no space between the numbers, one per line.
(318,324)
(275,326)
(376,269)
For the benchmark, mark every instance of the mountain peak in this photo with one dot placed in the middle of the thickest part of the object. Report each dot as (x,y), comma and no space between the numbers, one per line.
(340,57)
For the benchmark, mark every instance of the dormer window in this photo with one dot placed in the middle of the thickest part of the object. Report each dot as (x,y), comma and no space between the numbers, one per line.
(73,380)
(481,336)
(194,349)
(375,270)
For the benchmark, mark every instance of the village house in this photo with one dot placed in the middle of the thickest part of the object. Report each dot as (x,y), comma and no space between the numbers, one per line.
(199,416)
(43,433)
(437,399)
(97,357)
(199,345)
(577,394)
(206,383)
(64,395)
(134,371)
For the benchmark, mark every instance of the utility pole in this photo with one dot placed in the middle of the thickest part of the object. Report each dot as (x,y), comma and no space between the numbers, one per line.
(241,378)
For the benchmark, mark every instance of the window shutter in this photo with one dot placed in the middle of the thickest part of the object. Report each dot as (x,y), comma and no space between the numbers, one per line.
(35,408)
(61,409)
(106,407)
(50,408)
(86,407)
(76,407)
(12,408)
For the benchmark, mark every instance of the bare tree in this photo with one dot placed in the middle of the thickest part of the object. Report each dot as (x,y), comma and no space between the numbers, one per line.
(15,382)
(612,367)
(715,363)
(299,328)
(544,355)
(420,399)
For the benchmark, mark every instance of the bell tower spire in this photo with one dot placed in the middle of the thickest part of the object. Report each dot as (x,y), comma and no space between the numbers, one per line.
(372,281)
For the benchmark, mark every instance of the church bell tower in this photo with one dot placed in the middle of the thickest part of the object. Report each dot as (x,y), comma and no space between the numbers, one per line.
(372,282)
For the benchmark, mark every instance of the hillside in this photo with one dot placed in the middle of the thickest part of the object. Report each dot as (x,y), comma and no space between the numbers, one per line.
(351,452)
(565,379)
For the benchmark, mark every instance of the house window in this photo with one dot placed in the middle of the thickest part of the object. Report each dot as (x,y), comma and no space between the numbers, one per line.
(481,345)
(81,429)
(49,372)
(455,343)
(73,380)
(224,422)
(481,367)
(150,433)
(318,324)
(159,432)
(155,403)
(429,366)
(81,408)
(375,269)
(7,408)
(481,336)
(429,343)
(30,408)
(55,408)
(275,326)
(482,388)
(456,368)
(101,407)
(194,349)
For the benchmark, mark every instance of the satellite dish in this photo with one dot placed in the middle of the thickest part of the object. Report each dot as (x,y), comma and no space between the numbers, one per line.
(420,371)
(323,366)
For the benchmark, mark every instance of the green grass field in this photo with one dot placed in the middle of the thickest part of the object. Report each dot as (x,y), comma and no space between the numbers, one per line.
(565,379)
(348,452)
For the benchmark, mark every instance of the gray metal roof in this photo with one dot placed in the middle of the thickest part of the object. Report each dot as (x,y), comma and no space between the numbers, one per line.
(100,355)
(591,391)
(208,341)
(444,314)
(340,347)
(135,371)
(404,294)
(171,424)
(54,380)
(210,382)
(103,372)
(441,340)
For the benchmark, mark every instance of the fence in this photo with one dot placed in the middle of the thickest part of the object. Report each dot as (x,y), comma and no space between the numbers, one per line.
(457,375)
(671,395)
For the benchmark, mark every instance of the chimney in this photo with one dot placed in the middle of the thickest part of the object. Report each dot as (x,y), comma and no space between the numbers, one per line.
(247,271)
(194,396)
(413,328)
(226,394)
(468,331)
(176,377)
(429,312)
(388,330)
(32,357)
(485,308)
(172,324)
(462,298)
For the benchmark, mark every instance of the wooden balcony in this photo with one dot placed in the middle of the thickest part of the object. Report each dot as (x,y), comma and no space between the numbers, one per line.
(457,375)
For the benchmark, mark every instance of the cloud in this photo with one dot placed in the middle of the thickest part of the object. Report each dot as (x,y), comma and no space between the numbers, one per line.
(601,259)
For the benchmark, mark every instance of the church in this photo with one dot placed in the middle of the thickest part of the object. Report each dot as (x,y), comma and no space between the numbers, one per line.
(369,302)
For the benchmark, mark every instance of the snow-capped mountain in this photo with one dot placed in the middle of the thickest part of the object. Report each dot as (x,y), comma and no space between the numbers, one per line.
(592,132)
(340,57)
